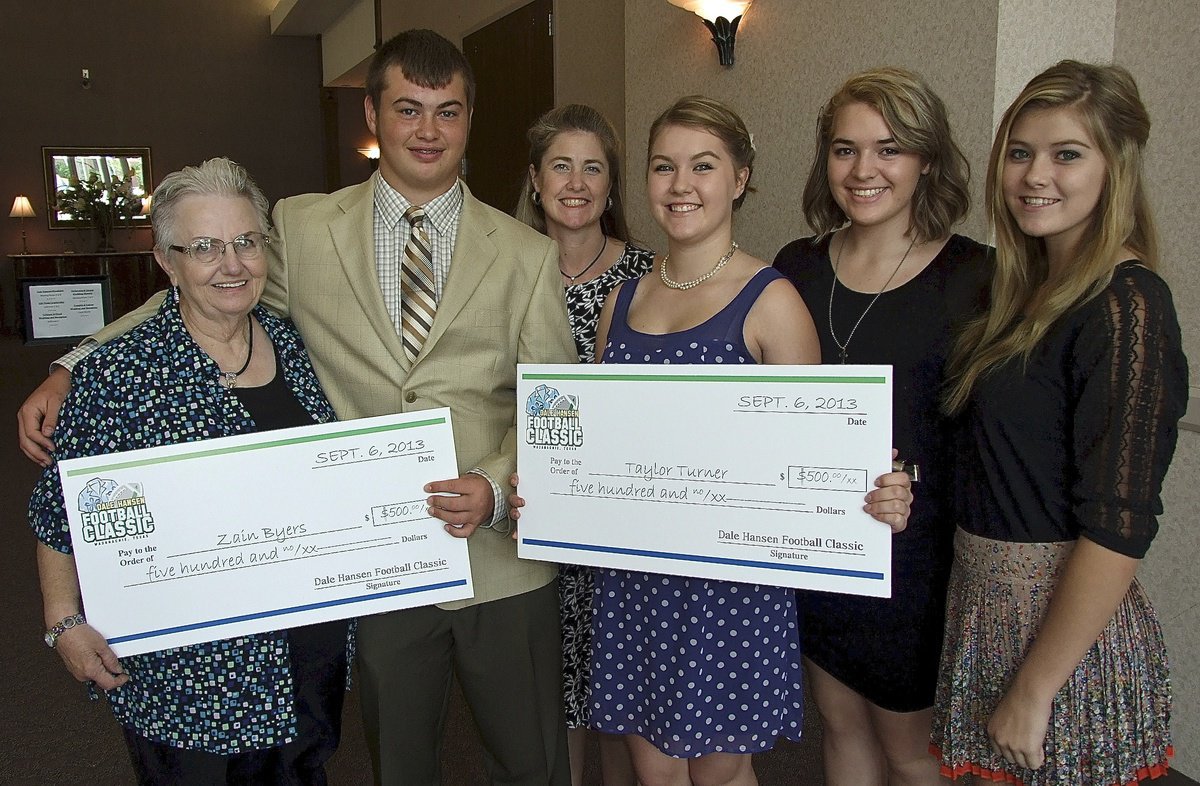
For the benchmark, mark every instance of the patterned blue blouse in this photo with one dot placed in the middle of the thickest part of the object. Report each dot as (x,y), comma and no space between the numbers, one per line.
(155,386)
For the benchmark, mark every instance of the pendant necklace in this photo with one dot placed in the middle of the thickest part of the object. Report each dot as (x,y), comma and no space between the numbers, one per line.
(833,288)
(695,282)
(571,278)
(228,379)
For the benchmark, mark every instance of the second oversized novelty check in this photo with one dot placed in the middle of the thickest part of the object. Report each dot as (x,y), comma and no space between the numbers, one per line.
(201,541)
(747,474)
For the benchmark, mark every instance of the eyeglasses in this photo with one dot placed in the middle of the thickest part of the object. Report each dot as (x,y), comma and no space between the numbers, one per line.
(209,250)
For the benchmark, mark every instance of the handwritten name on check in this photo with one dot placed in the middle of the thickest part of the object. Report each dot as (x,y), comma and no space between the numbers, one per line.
(746,474)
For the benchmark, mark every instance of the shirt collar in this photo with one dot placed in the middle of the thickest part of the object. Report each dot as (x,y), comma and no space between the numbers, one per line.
(441,211)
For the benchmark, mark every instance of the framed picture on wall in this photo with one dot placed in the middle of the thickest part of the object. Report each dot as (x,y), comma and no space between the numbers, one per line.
(91,186)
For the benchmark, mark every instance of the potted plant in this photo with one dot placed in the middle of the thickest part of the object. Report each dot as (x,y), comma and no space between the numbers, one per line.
(104,205)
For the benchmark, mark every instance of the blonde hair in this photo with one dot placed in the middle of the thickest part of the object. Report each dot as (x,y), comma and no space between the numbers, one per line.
(917,119)
(585,119)
(1025,299)
(709,114)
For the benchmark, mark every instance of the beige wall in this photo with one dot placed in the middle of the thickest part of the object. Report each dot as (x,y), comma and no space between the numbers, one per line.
(348,42)
(977,54)
(788,63)
(589,56)
(1030,36)
(1157,41)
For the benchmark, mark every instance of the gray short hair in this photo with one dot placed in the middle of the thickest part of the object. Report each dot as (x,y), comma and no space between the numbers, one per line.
(215,177)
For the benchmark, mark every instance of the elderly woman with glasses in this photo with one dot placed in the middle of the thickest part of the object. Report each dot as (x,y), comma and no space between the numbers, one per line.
(263,708)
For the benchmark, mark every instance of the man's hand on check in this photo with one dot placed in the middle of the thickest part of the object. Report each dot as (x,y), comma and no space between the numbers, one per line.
(463,503)
(39,415)
(515,503)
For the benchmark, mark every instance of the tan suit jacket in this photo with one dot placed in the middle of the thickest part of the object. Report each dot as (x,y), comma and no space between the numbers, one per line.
(502,305)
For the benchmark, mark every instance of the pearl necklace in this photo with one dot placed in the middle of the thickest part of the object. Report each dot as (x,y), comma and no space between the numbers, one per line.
(833,288)
(571,278)
(695,282)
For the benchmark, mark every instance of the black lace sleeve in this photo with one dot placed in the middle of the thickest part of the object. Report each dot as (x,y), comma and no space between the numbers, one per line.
(1131,378)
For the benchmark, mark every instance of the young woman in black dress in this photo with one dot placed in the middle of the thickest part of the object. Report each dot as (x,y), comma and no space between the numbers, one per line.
(885,280)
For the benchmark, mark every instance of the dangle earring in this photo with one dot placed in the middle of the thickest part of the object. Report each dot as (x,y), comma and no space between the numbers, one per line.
(608,205)
(537,198)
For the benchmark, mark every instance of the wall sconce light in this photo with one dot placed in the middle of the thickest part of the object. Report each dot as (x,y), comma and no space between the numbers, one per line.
(22,209)
(721,17)
(146,202)
(372,155)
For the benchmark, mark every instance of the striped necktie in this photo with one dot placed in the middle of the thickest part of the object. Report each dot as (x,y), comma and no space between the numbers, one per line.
(417,303)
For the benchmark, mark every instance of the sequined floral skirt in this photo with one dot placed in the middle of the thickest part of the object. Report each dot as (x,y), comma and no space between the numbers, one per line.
(1109,723)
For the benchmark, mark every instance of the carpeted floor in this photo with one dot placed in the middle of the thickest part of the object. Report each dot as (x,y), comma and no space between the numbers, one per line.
(50,733)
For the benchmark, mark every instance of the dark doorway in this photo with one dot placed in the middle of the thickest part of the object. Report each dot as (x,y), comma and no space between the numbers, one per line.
(513,60)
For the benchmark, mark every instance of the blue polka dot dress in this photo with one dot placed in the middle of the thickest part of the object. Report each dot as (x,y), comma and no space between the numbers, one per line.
(695,666)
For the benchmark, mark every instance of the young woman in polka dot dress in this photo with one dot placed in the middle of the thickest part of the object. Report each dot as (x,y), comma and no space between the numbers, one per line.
(699,673)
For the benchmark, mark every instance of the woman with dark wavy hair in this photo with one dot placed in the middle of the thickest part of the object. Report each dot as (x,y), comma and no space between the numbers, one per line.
(886,280)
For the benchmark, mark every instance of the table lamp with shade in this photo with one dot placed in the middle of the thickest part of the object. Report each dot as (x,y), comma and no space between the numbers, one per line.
(22,209)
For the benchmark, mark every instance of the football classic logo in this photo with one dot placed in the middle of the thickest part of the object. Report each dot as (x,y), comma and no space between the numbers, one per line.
(553,419)
(113,511)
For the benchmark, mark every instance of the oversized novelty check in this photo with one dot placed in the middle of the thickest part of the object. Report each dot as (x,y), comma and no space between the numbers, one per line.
(747,474)
(202,541)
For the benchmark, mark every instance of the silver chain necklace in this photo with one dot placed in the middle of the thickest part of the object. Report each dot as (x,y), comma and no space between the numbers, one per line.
(572,278)
(833,288)
(695,282)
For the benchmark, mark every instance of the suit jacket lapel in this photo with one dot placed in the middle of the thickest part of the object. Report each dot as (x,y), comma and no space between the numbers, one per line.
(474,254)
(353,236)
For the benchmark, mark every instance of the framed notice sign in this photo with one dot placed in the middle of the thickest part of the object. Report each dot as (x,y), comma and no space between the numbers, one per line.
(64,310)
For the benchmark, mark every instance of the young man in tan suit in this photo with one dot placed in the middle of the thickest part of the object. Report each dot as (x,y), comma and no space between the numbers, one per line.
(498,302)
